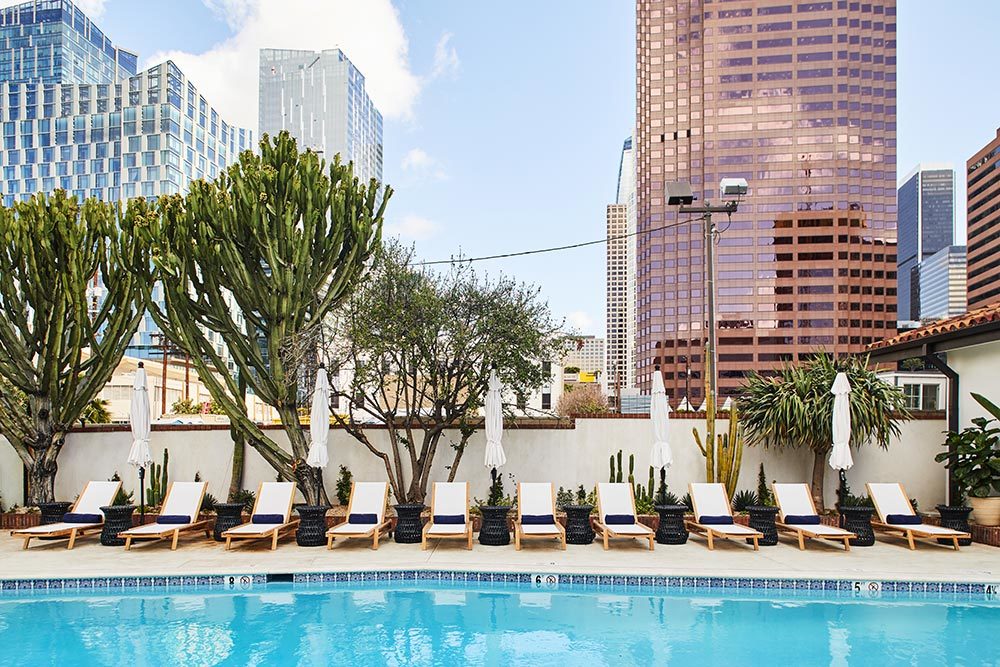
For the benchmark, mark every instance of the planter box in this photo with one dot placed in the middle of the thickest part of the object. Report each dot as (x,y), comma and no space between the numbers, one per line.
(16,520)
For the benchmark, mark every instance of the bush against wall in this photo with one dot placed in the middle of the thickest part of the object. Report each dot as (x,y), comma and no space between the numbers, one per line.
(582,399)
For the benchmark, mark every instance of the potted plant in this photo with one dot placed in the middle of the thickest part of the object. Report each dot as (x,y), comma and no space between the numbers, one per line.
(974,461)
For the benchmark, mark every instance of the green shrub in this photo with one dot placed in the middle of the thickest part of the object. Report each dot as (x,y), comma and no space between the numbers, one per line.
(248,498)
(564,497)
(744,499)
(344,485)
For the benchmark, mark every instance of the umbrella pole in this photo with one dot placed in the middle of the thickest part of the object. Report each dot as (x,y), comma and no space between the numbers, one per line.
(842,492)
(142,495)
(660,497)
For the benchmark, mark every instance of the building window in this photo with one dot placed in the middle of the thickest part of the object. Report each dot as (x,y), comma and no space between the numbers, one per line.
(546,401)
(922,396)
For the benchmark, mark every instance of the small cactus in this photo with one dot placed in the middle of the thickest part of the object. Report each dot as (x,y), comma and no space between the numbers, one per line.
(158,480)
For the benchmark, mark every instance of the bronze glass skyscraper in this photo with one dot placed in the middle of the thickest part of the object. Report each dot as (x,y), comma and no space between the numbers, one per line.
(798,98)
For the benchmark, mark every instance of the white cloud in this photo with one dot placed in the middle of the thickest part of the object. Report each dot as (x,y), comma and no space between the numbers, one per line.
(417,162)
(412,227)
(445,58)
(369,32)
(580,321)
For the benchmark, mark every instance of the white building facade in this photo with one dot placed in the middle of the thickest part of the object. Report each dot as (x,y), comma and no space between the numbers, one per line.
(619,362)
(320,98)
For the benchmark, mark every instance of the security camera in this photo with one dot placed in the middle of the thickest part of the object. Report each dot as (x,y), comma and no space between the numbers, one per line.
(733,187)
(678,193)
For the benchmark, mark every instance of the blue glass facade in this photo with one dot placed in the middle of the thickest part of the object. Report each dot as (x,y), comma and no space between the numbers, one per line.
(53,41)
(926,224)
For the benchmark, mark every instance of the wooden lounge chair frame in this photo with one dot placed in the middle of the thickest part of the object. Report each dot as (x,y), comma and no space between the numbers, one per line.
(519,533)
(71,533)
(467,535)
(607,532)
(375,532)
(171,532)
(711,532)
(803,532)
(910,532)
(274,531)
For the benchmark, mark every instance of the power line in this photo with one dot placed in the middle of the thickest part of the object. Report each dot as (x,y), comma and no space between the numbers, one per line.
(522,253)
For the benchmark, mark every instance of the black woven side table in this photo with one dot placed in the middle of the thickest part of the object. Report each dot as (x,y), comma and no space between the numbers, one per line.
(53,512)
(409,524)
(312,526)
(858,520)
(762,520)
(117,518)
(671,529)
(495,531)
(227,515)
(955,517)
(578,528)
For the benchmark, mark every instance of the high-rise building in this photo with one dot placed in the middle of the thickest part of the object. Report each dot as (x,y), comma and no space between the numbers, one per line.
(585,353)
(53,41)
(620,316)
(114,135)
(926,224)
(942,283)
(799,99)
(983,193)
(320,98)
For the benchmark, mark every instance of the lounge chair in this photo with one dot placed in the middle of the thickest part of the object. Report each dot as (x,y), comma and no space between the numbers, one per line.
(271,515)
(365,514)
(536,513)
(449,514)
(713,516)
(179,514)
(799,516)
(616,516)
(85,516)
(896,515)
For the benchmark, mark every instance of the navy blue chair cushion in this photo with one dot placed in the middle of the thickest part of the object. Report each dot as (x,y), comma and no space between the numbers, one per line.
(903,519)
(362,518)
(452,519)
(73,517)
(802,519)
(619,519)
(174,519)
(715,520)
(267,518)
(537,519)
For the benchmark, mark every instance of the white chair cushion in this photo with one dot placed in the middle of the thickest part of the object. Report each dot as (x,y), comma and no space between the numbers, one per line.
(95,496)
(615,498)
(275,498)
(369,498)
(451,498)
(536,498)
(794,499)
(630,529)
(352,528)
(184,498)
(447,529)
(540,529)
(709,500)
(253,528)
(55,528)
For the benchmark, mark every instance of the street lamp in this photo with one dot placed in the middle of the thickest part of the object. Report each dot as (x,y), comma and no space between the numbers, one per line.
(680,194)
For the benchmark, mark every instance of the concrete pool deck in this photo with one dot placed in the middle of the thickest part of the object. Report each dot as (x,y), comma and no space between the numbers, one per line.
(889,559)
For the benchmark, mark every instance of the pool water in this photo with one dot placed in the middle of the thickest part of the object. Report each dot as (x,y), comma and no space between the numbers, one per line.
(436,624)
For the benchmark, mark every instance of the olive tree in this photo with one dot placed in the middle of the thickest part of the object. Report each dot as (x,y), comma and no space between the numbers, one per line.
(59,341)
(414,348)
(257,256)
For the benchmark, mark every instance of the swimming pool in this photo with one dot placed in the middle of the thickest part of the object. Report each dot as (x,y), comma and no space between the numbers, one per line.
(422,622)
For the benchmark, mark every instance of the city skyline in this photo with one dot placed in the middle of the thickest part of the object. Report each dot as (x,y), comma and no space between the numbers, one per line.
(441,71)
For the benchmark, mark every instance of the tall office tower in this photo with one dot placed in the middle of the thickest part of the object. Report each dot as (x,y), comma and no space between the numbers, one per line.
(926,224)
(942,283)
(320,98)
(52,41)
(983,193)
(620,316)
(142,135)
(798,98)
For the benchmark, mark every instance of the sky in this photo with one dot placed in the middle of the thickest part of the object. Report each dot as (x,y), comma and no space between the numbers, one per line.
(503,122)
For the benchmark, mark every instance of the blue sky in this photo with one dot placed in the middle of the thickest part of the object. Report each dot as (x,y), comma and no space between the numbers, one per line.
(504,121)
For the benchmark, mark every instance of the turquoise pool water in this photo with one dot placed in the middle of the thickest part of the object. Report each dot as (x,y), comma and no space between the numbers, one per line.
(436,624)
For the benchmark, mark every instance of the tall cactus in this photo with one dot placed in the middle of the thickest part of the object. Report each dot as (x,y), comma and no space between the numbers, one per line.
(722,461)
(158,481)
(53,249)
(285,236)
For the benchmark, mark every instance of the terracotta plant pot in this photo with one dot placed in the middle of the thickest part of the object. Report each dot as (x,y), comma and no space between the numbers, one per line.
(986,511)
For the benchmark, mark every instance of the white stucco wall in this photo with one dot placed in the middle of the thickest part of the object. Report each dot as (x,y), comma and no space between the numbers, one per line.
(567,457)
(978,369)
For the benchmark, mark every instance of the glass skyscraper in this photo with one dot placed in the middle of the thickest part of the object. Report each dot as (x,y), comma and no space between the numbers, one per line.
(926,224)
(320,98)
(52,41)
(799,99)
(86,123)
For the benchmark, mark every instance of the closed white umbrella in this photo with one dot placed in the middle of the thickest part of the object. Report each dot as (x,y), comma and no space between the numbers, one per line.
(141,425)
(495,456)
(840,456)
(319,422)
(659,414)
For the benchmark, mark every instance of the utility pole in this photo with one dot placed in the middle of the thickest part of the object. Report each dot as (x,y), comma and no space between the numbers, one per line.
(711,342)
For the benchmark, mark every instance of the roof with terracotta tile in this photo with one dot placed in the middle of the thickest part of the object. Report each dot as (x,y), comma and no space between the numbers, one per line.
(960,324)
